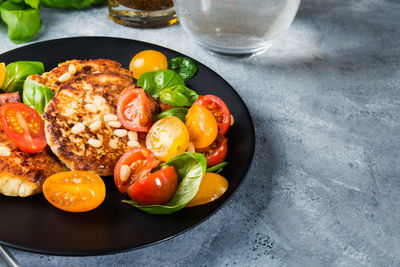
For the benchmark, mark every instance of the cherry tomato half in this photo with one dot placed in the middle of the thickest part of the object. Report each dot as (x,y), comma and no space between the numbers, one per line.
(133,109)
(156,188)
(147,60)
(2,73)
(212,186)
(135,164)
(219,109)
(167,138)
(9,97)
(75,191)
(24,126)
(216,152)
(202,126)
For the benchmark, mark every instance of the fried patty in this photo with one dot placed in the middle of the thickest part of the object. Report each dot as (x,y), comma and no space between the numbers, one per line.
(87,101)
(77,69)
(22,174)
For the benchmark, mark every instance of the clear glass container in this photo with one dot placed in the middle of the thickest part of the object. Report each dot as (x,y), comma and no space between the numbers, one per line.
(236,28)
(142,13)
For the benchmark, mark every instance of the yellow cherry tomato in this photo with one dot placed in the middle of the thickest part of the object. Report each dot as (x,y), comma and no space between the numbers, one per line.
(212,186)
(147,60)
(75,191)
(2,73)
(167,138)
(202,126)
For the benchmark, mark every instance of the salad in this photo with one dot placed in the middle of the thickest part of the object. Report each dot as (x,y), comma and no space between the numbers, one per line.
(176,143)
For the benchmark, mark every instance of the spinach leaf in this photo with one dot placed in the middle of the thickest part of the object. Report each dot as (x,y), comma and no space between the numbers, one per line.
(178,96)
(23,22)
(190,168)
(180,113)
(154,82)
(36,95)
(183,66)
(217,168)
(16,73)
(76,4)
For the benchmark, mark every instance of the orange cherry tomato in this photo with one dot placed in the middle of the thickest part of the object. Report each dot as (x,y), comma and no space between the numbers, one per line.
(74,191)
(24,126)
(147,60)
(156,188)
(202,126)
(2,73)
(219,109)
(212,186)
(167,138)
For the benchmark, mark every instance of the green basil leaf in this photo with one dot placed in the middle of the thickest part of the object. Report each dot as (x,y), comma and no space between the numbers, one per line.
(217,168)
(16,1)
(183,66)
(23,23)
(190,168)
(147,83)
(180,113)
(16,73)
(67,4)
(154,82)
(36,95)
(178,96)
(167,78)
(33,3)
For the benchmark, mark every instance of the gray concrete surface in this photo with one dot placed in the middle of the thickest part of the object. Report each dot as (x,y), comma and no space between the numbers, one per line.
(324,186)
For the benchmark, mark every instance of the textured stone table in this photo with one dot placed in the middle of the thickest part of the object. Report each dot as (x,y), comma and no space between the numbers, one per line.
(324,187)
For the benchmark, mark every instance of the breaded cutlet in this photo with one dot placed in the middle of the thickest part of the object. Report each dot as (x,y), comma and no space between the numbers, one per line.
(67,71)
(81,125)
(22,174)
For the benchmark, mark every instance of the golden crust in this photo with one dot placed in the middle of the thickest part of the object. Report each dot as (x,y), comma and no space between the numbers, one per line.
(82,67)
(22,174)
(68,108)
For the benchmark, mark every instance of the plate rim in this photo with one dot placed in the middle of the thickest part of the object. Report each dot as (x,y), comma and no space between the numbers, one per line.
(127,249)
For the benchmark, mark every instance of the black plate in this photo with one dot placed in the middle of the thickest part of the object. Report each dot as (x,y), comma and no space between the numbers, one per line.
(33,224)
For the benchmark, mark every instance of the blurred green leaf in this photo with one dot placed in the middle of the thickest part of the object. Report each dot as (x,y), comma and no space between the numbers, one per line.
(75,4)
(23,22)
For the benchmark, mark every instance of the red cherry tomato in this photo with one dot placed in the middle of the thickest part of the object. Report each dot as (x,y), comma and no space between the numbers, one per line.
(133,110)
(216,152)
(9,97)
(219,109)
(137,163)
(24,126)
(156,188)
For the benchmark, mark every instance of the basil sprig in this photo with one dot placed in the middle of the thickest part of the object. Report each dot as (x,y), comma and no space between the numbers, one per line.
(36,95)
(180,113)
(156,81)
(217,168)
(178,96)
(183,66)
(190,168)
(16,73)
